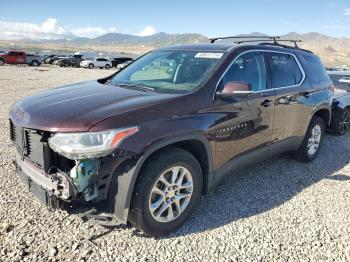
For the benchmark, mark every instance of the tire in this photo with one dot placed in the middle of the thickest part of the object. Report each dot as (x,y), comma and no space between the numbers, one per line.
(2,62)
(308,149)
(341,121)
(66,65)
(107,66)
(34,63)
(140,214)
(91,66)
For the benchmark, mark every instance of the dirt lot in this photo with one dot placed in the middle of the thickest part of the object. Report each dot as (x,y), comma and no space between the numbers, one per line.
(277,210)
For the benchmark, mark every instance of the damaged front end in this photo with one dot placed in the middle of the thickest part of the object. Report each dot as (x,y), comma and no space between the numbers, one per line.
(69,171)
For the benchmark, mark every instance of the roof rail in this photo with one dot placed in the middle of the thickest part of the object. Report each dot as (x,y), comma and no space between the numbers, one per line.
(262,38)
(266,40)
(287,46)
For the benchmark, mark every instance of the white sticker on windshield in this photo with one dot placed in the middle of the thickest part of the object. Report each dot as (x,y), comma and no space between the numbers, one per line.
(209,55)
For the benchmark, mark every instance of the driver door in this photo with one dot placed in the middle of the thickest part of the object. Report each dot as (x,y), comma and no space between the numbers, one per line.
(244,129)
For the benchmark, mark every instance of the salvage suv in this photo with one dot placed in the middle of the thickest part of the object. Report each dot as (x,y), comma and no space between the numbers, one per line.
(144,144)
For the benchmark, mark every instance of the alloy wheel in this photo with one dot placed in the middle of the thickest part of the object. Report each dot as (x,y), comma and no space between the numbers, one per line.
(171,194)
(345,122)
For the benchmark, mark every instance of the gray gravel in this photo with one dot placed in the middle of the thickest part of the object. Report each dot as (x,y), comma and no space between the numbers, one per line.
(277,210)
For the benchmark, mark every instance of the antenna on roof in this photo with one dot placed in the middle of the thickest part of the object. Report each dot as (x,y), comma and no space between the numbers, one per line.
(214,39)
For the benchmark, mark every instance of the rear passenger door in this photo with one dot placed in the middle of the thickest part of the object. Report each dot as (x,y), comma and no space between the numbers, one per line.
(291,114)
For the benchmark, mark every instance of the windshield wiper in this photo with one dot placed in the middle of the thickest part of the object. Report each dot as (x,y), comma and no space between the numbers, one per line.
(137,86)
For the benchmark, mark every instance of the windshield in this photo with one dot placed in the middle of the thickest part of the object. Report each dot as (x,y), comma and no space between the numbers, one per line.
(341,81)
(169,71)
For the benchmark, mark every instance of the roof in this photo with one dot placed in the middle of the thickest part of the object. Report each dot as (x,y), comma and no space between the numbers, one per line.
(208,47)
(199,47)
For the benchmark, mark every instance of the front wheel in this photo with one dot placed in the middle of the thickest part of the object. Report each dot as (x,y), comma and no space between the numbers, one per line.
(91,66)
(341,121)
(107,66)
(312,141)
(2,62)
(166,193)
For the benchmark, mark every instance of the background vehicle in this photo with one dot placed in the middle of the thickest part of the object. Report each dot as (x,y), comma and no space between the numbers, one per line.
(145,143)
(73,60)
(119,60)
(52,59)
(98,62)
(47,58)
(19,57)
(122,65)
(341,105)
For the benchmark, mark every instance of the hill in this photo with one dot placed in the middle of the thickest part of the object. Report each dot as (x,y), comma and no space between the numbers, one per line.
(332,50)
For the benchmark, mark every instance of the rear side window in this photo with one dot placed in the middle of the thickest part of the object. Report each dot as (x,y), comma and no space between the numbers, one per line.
(284,70)
(317,71)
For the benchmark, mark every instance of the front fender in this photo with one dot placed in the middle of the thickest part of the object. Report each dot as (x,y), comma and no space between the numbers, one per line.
(125,182)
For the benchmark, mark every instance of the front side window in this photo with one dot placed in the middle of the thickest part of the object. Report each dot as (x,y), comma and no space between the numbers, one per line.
(284,70)
(249,68)
(170,71)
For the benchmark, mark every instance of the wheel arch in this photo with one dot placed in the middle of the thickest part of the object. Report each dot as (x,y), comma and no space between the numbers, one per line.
(197,145)
(324,114)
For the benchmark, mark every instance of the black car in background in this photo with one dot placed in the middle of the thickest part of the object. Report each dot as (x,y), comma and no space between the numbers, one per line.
(119,60)
(341,105)
(73,60)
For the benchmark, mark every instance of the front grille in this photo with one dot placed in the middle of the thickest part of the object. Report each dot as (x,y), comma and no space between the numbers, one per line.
(33,145)
(30,144)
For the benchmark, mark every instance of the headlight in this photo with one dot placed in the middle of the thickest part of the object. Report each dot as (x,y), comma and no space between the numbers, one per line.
(89,144)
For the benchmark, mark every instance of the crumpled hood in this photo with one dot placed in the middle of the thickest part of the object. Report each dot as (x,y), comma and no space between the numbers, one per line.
(340,93)
(79,107)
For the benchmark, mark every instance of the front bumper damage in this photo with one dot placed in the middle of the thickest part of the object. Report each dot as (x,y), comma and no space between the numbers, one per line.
(58,190)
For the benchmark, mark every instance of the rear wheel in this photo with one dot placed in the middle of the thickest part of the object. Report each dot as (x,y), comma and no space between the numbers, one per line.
(107,66)
(341,121)
(34,63)
(312,141)
(166,193)
(91,66)
(66,65)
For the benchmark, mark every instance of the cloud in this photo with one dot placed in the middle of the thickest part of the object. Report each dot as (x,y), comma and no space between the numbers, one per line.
(49,29)
(335,27)
(148,30)
(347,11)
(93,31)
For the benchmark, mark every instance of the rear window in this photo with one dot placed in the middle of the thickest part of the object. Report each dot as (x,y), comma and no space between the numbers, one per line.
(284,70)
(318,72)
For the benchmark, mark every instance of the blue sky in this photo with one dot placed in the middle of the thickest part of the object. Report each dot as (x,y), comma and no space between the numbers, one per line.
(52,19)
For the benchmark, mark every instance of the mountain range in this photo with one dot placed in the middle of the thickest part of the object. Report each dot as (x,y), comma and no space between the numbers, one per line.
(333,51)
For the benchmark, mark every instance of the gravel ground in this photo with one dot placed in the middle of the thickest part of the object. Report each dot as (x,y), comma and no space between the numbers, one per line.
(277,210)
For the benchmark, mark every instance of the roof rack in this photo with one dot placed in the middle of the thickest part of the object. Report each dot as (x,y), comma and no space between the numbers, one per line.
(266,40)
(212,40)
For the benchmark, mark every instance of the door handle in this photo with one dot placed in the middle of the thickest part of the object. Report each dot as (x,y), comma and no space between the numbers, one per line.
(266,103)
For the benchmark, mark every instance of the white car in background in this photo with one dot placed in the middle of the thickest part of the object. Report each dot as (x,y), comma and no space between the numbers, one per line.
(97,62)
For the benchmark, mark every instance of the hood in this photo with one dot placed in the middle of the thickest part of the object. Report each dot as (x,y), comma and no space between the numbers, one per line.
(340,93)
(79,107)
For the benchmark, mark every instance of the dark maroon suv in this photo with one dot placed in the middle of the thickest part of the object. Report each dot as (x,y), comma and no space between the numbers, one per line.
(144,144)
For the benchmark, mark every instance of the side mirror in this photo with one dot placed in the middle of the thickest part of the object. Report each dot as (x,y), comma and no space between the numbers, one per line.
(236,89)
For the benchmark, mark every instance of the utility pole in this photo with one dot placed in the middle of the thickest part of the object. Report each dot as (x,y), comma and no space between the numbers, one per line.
(65,46)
